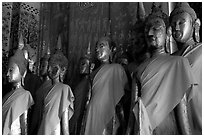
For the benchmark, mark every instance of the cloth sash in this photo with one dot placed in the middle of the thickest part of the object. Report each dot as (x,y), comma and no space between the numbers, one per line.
(107,90)
(59,98)
(14,106)
(164,81)
(195,59)
(142,119)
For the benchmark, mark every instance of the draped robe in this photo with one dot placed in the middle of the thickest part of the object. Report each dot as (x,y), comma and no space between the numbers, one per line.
(58,99)
(15,103)
(107,90)
(194,56)
(164,81)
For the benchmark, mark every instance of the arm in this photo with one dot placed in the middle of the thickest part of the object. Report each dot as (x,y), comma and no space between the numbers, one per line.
(182,117)
(23,123)
(65,122)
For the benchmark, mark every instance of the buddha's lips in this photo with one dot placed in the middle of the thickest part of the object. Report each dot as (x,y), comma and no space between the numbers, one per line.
(178,34)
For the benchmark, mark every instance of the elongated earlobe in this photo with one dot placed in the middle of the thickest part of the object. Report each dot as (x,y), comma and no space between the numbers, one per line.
(62,73)
(197,28)
(168,36)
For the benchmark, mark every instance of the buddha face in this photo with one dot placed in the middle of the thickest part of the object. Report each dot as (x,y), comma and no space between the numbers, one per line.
(13,74)
(103,51)
(84,66)
(43,67)
(155,33)
(54,71)
(182,27)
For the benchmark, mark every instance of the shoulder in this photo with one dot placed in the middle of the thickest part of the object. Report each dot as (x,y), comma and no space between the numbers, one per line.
(64,87)
(26,94)
(22,96)
(66,92)
(116,66)
(177,60)
(22,92)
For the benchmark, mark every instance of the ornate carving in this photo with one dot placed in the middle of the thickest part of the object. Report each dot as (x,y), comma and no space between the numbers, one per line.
(85,5)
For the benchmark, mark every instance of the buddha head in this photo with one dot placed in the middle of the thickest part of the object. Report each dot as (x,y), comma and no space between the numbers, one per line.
(156,29)
(86,64)
(103,50)
(44,63)
(184,23)
(58,64)
(17,67)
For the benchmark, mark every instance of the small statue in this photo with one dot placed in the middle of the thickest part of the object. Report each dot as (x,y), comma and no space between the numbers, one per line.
(16,103)
(44,65)
(108,82)
(82,93)
(185,30)
(40,93)
(58,101)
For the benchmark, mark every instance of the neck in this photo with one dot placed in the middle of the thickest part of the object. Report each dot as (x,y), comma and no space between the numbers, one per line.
(105,61)
(189,42)
(55,81)
(160,51)
(17,85)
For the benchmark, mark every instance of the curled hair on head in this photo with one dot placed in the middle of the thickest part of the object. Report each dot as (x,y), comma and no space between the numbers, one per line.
(59,59)
(108,39)
(87,58)
(46,56)
(158,13)
(182,7)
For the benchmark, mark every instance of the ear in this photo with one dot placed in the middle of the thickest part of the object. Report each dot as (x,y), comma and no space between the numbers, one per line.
(197,24)
(62,73)
(63,70)
(168,36)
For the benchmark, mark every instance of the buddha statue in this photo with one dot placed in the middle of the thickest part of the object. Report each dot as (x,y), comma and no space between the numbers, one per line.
(58,101)
(40,93)
(185,30)
(158,116)
(16,103)
(82,93)
(108,83)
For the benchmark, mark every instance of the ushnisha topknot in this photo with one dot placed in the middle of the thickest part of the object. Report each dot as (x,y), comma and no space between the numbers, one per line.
(88,54)
(158,13)
(47,55)
(183,7)
(105,38)
(19,59)
(59,59)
